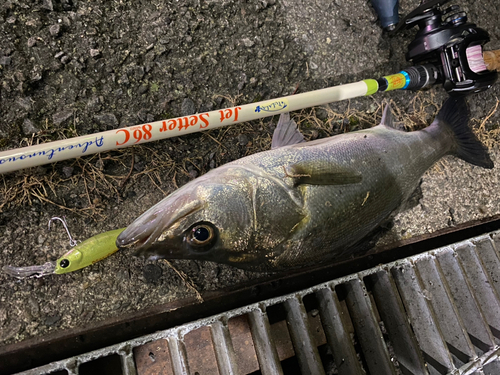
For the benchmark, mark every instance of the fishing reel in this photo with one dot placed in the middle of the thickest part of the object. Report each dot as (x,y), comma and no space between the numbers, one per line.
(448,48)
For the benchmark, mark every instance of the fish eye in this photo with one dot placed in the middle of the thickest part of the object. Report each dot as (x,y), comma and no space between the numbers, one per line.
(64,263)
(201,236)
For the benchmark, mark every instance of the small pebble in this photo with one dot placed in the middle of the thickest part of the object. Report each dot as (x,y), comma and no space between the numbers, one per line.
(142,89)
(99,164)
(151,273)
(36,75)
(41,239)
(9,331)
(52,320)
(95,52)
(68,171)
(243,139)
(193,173)
(60,117)
(55,29)
(93,105)
(188,107)
(248,43)
(322,113)
(34,306)
(29,128)
(140,166)
(107,119)
(5,60)
(31,42)
(47,4)
(25,103)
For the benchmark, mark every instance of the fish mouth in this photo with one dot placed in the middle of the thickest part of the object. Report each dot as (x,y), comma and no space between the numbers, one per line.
(153,226)
(136,236)
(141,244)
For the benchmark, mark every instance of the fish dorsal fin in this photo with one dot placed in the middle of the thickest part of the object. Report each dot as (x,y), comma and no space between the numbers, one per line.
(387,117)
(314,173)
(286,132)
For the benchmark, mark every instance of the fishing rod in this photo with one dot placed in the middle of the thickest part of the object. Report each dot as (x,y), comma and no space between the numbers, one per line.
(446,52)
(50,152)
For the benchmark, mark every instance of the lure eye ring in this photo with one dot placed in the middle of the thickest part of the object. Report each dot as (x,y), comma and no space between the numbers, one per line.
(64,263)
(201,236)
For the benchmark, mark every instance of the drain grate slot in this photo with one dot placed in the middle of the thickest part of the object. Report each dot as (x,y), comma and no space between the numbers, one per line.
(471,314)
(492,368)
(303,343)
(490,261)
(224,352)
(452,329)
(200,351)
(264,343)
(178,356)
(154,356)
(367,328)
(422,319)
(392,313)
(482,286)
(243,344)
(436,313)
(337,333)
(105,365)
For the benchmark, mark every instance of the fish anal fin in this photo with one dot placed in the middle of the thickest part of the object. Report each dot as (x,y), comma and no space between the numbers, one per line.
(414,198)
(311,173)
(286,132)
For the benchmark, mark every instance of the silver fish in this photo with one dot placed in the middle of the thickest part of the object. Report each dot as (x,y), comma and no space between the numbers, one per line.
(301,203)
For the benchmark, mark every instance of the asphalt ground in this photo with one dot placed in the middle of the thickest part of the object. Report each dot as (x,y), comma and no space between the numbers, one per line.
(75,67)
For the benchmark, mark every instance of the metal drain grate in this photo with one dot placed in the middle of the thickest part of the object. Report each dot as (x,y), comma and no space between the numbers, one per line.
(434,313)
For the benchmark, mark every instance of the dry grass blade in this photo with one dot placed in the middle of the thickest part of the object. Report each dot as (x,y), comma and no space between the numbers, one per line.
(187,280)
(490,137)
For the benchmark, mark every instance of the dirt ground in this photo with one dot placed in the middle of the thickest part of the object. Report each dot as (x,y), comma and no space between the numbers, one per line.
(73,67)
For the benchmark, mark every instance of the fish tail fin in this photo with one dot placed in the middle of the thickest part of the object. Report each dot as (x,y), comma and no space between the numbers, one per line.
(454,115)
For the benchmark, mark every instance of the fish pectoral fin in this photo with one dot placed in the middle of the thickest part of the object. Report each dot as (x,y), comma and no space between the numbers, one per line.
(314,174)
(286,132)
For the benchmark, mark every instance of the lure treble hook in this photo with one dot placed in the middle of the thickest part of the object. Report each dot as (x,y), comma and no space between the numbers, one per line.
(72,241)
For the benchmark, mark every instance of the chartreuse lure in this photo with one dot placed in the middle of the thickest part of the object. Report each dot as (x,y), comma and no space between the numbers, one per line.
(81,255)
